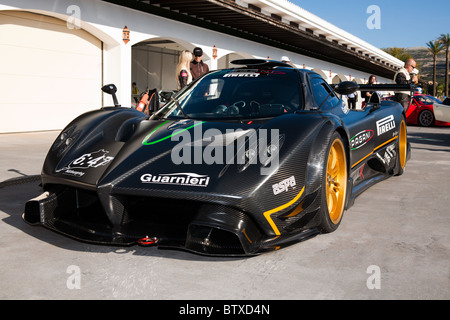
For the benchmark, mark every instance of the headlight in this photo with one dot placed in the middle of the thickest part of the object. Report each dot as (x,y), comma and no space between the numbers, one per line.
(65,140)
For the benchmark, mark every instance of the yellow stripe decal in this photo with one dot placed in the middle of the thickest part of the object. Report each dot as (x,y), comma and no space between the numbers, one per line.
(267,214)
(380,146)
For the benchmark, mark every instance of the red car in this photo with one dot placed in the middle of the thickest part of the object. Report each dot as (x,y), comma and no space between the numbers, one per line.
(421,111)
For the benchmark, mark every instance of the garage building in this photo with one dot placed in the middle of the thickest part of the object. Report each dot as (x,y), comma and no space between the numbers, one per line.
(56,54)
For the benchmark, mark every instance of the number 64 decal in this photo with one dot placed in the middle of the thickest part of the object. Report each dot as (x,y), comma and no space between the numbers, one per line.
(89,160)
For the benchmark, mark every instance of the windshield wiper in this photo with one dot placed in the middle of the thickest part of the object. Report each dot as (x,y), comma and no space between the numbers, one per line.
(179,107)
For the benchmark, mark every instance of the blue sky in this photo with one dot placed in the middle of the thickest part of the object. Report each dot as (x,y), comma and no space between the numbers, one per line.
(402,23)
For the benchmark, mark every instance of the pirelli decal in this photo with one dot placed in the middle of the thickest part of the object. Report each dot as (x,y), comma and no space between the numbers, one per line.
(385,125)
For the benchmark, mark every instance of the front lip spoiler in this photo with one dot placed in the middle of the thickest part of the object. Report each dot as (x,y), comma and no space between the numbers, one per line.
(266,245)
(38,212)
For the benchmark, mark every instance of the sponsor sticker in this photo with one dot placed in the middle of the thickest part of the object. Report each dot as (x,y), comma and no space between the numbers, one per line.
(244,73)
(360,139)
(385,125)
(389,154)
(284,185)
(178,179)
(88,160)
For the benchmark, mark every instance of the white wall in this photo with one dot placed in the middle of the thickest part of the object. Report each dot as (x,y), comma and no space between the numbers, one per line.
(49,74)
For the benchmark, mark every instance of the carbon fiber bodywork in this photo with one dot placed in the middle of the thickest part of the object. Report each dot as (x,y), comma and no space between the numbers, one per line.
(110,177)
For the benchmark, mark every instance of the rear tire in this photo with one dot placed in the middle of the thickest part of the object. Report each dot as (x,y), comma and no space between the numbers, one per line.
(402,148)
(334,185)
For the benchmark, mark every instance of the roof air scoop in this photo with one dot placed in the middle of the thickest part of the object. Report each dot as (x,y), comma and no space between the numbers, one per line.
(253,63)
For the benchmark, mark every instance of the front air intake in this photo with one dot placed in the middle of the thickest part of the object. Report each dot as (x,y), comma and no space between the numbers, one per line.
(213,241)
(222,230)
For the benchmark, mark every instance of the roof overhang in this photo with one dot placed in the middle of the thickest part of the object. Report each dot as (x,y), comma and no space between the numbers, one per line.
(228,17)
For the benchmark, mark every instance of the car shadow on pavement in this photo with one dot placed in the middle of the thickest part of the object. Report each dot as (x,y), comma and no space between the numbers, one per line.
(14,193)
(433,141)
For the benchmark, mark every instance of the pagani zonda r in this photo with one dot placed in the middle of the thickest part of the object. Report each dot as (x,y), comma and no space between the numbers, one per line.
(242,161)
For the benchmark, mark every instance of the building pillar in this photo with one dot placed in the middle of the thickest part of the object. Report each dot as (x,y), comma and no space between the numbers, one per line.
(124,91)
(117,66)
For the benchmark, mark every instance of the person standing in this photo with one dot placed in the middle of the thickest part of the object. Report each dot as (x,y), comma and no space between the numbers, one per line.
(351,98)
(403,76)
(134,92)
(183,73)
(286,60)
(367,94)
(198,67)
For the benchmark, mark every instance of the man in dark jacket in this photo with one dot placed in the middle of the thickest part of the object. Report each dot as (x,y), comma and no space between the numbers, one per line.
(198,67)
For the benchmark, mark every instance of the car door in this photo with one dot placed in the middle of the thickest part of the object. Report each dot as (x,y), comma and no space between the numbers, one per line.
(441,112)
(359,123)
(371,130)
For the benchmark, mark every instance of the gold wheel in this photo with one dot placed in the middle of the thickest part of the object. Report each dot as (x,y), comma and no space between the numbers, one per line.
(402,144)
(336,181)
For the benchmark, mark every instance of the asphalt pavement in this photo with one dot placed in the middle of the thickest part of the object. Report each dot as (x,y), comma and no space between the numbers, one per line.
(394,243)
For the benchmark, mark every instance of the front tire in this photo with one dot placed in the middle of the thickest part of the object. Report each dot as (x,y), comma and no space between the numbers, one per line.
(426,118)
(334,186)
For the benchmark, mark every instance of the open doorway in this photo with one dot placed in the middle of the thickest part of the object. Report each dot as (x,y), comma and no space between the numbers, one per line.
(154,62)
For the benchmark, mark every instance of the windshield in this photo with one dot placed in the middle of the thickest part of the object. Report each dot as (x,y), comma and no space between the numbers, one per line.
(238,93)
(427,99)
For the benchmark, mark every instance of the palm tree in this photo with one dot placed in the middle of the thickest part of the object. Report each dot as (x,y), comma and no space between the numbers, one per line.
(445,40)
(434,47)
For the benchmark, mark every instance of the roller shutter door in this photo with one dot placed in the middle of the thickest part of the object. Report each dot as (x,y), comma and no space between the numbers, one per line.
(49,73)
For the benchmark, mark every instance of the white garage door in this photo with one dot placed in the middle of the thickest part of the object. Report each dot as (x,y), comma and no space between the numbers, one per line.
(49,73)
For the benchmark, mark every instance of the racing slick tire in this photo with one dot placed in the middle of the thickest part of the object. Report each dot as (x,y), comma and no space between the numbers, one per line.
(334,186)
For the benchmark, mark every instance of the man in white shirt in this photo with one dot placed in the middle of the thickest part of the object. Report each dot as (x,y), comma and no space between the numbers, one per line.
(351,98)
(403,76)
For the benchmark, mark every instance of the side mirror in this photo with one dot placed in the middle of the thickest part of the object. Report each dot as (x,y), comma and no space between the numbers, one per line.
(111,89)
(346,87)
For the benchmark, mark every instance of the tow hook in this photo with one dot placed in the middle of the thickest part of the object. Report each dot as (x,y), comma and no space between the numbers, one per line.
(148,241)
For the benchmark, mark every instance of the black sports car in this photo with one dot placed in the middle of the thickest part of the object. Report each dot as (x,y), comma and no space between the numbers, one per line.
(242,161)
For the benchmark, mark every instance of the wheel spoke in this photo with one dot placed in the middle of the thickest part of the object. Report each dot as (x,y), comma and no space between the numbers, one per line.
(334,201)
(331,202)
(332,167)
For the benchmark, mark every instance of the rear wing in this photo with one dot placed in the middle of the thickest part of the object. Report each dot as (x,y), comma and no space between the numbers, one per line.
(349,87)
(387,87)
